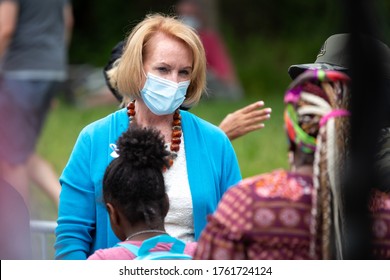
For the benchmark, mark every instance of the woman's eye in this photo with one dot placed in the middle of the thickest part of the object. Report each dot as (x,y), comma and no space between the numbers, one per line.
(163,69)
(184,73)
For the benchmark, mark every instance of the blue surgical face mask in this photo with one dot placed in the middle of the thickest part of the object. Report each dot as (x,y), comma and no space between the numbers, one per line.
(191,21)
(163,96)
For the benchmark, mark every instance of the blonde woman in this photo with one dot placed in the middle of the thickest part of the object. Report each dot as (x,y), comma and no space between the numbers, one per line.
(163,67)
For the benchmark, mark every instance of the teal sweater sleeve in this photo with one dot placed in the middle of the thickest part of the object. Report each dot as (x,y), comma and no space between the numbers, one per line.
(77,214)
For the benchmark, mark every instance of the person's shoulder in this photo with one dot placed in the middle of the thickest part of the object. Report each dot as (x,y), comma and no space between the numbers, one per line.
(259,180)
(246,191)
(186,115)
(209,35)
(114,253)
(190,119)
(190,248)
(118,117)
(278,184)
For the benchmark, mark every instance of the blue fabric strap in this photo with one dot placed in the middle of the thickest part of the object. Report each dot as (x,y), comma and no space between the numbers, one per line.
(177,245)
(132,248)
(143,252)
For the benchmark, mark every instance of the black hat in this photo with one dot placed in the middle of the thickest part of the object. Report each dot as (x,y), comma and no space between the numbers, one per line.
(335,55)
(332,55)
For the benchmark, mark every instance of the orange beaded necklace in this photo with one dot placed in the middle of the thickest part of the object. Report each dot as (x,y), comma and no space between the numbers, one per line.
(176,130)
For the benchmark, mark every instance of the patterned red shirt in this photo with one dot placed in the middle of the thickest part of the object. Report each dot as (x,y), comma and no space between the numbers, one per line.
(270,217)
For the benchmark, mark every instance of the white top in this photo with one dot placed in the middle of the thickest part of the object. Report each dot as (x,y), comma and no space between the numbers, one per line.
(179,222)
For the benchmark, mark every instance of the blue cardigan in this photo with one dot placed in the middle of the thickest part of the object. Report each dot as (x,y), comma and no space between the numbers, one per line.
(83,222)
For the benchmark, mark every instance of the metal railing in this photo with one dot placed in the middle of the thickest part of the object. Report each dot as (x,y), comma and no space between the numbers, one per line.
(43,231)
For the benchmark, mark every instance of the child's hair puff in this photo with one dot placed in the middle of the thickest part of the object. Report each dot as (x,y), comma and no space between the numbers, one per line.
(134,182)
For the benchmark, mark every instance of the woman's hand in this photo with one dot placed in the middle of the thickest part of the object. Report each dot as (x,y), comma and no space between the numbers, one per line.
(245,120)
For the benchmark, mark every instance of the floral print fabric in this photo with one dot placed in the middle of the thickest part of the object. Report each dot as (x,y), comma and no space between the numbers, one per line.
(269,217)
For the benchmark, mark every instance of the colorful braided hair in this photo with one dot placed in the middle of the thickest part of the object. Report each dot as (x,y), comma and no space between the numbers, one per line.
(316,123)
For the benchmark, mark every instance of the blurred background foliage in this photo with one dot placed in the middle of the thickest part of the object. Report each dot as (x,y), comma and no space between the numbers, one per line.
(264,37)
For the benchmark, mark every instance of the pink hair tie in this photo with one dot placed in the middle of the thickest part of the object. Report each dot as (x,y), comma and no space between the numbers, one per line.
(293,95)
(334,114)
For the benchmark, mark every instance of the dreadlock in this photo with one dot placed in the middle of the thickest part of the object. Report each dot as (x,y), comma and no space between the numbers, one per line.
(317,103)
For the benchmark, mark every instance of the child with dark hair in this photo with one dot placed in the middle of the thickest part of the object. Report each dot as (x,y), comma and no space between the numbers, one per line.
(135,195)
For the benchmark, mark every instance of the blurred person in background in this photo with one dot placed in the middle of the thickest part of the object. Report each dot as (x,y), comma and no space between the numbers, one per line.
(15,236)
(222,80)
(34,37)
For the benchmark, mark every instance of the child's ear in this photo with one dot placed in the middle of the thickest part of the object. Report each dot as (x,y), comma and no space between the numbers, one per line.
(165,205)
(115,221)
(112,213)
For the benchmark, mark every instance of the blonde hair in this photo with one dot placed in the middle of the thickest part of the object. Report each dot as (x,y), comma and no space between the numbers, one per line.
(127,75)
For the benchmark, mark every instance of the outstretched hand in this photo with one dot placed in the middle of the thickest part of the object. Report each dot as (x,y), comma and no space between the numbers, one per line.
(245,120)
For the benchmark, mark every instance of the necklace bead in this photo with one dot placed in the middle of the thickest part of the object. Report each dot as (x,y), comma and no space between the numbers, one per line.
(176,130)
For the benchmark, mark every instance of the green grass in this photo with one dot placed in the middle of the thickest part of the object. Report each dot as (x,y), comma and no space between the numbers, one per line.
(258,151)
